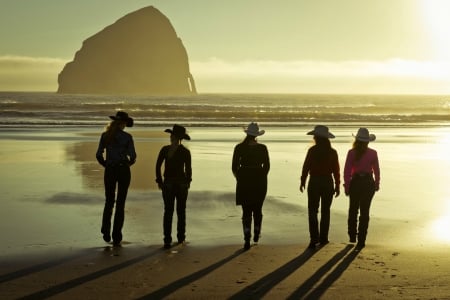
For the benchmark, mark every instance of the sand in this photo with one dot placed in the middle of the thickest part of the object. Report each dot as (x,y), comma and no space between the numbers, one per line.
(335,271)
(52,198)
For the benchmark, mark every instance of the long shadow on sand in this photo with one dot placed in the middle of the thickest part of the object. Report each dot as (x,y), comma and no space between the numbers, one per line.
(261,287)
(57,289)
(41,267)
(317,292)
(172,287)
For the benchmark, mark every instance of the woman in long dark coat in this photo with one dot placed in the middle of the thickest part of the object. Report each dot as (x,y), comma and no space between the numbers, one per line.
(250,166)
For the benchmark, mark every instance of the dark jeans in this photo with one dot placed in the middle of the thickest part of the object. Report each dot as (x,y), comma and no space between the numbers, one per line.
(119,176)
(320,193)
(252,210)
(172,191)
(362,189)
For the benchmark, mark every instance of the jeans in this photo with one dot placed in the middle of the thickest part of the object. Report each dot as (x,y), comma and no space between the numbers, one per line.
(320,193)
(249,210)
(120,177)
(172,191)
(362,190)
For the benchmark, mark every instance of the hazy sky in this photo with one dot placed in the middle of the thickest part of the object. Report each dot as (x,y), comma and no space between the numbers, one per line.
(288,46)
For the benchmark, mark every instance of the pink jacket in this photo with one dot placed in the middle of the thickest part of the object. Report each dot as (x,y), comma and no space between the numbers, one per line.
(368,163)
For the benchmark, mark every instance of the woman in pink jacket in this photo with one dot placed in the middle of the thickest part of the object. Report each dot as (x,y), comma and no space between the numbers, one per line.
(361,181)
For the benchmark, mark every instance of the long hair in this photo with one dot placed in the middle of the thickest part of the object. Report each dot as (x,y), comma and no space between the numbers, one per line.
(322,149)
(111,130)
(360,148)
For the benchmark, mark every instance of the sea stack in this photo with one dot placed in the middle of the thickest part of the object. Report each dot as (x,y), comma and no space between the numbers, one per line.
(140,54)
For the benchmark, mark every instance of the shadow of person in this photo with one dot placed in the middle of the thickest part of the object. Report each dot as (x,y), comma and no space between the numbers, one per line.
(261,287)
(172,287)
(307,286)
(64,286)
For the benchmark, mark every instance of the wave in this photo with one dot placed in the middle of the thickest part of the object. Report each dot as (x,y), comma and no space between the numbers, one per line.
(221,110)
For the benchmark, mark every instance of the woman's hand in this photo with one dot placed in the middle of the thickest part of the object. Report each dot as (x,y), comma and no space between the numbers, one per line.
(302,187)
(337,191)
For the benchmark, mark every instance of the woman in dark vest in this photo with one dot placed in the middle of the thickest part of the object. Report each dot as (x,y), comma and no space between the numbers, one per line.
(177,180)
(120,155)
(250,167)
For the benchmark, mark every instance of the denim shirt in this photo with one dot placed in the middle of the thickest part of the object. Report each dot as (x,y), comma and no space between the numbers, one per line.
(119,151)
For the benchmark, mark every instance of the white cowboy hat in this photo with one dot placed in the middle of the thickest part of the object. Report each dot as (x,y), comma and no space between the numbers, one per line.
(253,129)
(364,136)
(321,131)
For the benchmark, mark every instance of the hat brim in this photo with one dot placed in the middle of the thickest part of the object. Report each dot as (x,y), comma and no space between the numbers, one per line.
(261,132)
(371,138)
(329,135)
(129,121)
(183,137)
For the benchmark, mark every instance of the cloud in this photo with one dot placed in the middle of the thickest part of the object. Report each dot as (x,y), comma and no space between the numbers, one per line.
(389,76)
(21,73)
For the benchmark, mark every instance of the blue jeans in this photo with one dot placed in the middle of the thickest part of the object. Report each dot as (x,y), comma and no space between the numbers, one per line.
(172,192)
(120,177)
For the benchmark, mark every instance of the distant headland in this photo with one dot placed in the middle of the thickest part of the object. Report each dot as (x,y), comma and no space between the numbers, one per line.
(140,54)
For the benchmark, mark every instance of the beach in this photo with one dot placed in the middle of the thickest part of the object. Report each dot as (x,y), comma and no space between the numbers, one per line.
(53,198)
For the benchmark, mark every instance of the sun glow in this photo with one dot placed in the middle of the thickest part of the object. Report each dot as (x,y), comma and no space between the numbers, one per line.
(440,229)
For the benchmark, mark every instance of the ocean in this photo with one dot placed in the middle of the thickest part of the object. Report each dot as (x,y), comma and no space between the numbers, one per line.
(217,110)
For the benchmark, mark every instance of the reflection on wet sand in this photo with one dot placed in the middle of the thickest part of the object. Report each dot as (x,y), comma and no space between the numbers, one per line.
(142,173)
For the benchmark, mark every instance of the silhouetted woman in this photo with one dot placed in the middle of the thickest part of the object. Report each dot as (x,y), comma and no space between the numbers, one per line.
(177,179)
(322,165)
(250,166)
(361,180)
(120,155)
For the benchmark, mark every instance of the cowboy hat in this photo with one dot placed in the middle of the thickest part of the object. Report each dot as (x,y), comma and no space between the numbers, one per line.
(123,116)
(253,129)
(178,131)
(364,136)
(321,131)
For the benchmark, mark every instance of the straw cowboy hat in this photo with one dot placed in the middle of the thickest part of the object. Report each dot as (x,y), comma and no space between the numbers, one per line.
(253,129)
(364,136)
(123,116)
(321,131)
(178,131)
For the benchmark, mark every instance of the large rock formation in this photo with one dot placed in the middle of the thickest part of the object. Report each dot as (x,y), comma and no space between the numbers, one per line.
(140,54)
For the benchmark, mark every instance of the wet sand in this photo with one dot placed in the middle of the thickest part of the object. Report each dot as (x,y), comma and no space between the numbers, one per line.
(53,198)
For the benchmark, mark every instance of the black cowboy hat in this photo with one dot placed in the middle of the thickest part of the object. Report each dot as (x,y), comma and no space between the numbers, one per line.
(178,131)
(123,116)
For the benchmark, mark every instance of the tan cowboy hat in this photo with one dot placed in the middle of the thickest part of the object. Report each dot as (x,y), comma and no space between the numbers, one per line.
(364,136)
(253,129)
(321,131)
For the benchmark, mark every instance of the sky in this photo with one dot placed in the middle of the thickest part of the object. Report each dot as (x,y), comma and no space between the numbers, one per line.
(250,46)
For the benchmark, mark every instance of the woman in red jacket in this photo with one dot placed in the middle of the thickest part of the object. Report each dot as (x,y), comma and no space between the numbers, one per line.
(322,164)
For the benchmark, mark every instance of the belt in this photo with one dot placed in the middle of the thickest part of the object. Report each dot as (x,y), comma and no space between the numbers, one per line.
(362,175)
